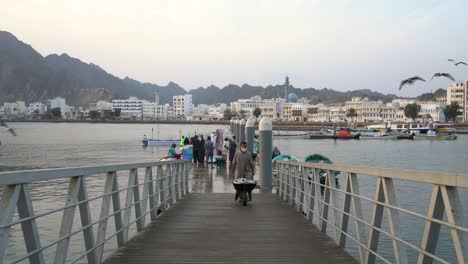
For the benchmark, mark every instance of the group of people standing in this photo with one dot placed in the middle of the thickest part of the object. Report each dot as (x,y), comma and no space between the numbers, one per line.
(200,148)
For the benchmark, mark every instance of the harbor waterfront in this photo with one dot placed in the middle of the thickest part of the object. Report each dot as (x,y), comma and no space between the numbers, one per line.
(42,145)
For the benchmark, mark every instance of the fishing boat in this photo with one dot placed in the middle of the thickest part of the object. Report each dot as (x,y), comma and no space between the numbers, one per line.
(443,133)
(158,142)
(291,135)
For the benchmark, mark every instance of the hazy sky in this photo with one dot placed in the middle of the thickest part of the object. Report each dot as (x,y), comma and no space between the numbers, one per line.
(339,44)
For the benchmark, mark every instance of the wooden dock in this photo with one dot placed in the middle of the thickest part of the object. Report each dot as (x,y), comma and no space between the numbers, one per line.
(212,228)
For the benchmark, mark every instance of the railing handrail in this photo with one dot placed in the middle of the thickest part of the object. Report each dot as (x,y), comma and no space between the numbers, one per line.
(26,176)
(441,178)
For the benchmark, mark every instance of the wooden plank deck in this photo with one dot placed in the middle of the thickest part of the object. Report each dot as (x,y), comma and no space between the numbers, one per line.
(212,228)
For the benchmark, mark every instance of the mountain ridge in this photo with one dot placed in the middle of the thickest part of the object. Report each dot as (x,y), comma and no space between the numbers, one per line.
(26,75)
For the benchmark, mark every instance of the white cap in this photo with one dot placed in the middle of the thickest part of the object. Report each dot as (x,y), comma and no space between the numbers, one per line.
(250,123)
(265,124)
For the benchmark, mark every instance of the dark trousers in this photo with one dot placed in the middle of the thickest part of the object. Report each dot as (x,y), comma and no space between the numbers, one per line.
(195,156)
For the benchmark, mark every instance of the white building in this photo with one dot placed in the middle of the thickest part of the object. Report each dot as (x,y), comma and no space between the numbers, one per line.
(154,111)
(435,110)
(129,108)
(458,92)
(216,111)
(14,108)
(37,108)
(57,102)
(182,105)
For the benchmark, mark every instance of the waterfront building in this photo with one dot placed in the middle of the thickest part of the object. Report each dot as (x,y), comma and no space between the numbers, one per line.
(216,112)
(246,105)
(388,113)
(129,108)
(286,111)
(435,110)
(299,112)
(14,108)
(357,103)
(337,113)
(371,111)
(441,99)
(154,111)
(101,106)
(458,92)
(269,110)
(182,105)
(57,102)
(401,103)
(37,108)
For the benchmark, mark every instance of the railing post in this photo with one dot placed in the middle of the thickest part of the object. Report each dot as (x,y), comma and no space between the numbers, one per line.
(102,226)
(117,212)
(86,222)
(432,229)
(128,202)
(162,191)
(187,190)
(145,199)
(137,203)
(377,216)
(394,221)
(307,193)
(454,211)
(173,177)
(346,210)
(326,202)
(151,194)
(318,195)
(7,207)
(67,220)
(357,213)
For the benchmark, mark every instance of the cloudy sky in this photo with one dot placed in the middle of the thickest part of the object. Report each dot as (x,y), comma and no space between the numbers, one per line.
(339,44)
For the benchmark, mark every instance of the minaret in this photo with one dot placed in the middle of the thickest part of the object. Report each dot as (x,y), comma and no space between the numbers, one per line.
(286,85)
(156,96)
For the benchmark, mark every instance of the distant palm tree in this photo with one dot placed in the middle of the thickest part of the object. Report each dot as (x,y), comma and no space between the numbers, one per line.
(351,113)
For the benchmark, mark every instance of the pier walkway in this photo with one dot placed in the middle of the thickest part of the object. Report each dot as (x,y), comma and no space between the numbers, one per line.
(174,212)
(212,228)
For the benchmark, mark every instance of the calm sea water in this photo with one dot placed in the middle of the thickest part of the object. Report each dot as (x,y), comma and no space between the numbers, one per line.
(44,145)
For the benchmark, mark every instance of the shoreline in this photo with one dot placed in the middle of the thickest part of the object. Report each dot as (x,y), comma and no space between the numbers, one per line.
(281,125)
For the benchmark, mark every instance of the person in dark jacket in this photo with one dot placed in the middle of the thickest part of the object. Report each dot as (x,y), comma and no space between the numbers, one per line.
(201,150)
(195,148)
(186,141)
(232,148)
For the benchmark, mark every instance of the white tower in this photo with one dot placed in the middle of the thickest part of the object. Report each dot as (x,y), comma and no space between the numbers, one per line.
(156,97)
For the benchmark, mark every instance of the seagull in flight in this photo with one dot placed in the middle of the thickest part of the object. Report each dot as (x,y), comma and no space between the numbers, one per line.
(410,81)
(7,129)
(457,63)
(443,74)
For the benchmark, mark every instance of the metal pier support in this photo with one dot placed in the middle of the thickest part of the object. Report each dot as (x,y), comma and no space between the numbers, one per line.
(265,149)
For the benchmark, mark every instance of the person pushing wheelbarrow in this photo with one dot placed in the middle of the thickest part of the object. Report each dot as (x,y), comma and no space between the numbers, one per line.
(243,166)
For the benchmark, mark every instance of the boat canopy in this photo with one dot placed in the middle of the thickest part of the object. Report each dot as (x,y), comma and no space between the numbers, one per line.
(317,158)
(285,157)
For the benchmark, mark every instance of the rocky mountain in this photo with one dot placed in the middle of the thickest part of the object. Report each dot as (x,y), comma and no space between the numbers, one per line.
(27,75)
(432,96)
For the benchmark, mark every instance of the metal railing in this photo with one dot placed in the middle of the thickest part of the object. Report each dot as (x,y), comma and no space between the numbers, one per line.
(312,189)
(168,185)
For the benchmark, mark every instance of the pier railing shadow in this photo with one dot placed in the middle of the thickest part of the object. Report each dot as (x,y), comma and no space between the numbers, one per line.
(163,184)
(376,231)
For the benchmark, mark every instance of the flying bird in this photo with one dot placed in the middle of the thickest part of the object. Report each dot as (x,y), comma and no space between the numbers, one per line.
(410,81)
(443,74)
(456,63)
(8,129)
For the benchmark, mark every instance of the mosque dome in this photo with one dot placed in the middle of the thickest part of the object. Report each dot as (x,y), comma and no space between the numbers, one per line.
(292,97)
